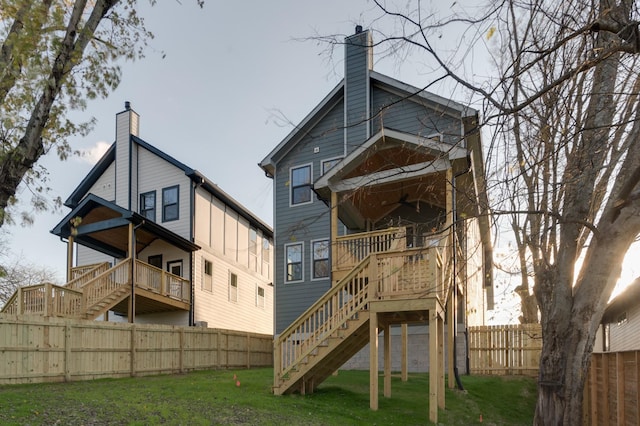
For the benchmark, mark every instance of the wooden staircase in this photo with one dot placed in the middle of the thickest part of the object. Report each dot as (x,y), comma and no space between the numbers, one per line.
(336,327)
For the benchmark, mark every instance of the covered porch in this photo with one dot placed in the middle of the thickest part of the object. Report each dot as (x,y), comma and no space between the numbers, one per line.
(130,287)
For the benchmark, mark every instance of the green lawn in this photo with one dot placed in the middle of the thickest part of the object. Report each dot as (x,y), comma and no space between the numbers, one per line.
(212,397)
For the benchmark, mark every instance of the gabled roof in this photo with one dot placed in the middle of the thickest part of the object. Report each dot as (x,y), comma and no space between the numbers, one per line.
(629,298)
(104,227)
(412,93)
(109,157)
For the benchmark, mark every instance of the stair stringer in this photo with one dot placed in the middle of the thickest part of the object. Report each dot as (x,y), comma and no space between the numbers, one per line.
(108,302)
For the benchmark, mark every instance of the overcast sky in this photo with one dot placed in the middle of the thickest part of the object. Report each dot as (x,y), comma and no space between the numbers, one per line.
(215,101)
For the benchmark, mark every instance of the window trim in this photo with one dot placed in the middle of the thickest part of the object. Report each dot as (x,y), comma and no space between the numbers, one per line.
(310,185)
(286,263)
(260,298)
(177,203)
(206,261)
(313,260)
(233,274)
(327,160)
(155,205)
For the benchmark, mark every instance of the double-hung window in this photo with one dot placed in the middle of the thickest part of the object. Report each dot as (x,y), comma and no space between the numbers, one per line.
(170,203)
(260,297)
(300,180)
(320,253)
(148,205)
(207,275)
(233,287)
(294,262)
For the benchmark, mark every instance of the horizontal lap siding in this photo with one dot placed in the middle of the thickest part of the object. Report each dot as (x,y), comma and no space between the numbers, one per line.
(215,308)
(303,223)
(411,116)
(626,335)
(105,185)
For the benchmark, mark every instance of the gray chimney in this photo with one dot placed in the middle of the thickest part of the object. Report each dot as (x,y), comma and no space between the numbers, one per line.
(358,62)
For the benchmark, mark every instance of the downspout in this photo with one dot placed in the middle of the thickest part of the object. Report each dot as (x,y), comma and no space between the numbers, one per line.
(192,203)
(454,294)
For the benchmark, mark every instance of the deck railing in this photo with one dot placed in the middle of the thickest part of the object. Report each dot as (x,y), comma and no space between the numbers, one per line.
(45,299)
(349,250)
(416,272)
(324,317)
(161,282)
(83,274)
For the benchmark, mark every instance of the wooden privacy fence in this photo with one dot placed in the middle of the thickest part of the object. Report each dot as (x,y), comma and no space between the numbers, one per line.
(611,393)
(36,349)
(505,349)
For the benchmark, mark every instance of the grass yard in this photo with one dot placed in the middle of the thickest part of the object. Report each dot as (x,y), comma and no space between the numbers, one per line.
(212,398)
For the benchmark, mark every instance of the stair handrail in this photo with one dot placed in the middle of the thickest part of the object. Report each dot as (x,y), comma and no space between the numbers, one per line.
(92,271)
(90,298)
(315,337)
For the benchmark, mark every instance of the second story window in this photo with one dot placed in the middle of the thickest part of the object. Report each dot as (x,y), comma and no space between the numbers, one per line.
(170,203)
(148,205)
(300,182)
(294,262)
(320,259)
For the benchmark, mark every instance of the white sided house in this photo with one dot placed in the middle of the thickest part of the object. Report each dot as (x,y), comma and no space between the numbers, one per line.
(151,240)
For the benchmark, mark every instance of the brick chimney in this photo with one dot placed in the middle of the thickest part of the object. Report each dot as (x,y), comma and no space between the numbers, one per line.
(127,125)
(358,62)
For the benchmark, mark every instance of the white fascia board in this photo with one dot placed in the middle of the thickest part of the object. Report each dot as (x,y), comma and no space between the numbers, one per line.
(392,175)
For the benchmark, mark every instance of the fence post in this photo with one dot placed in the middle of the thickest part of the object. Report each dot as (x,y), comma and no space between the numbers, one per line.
(132,356)
(67,352)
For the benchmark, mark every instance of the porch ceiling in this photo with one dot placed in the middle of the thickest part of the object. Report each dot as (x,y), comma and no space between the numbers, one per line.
(104,226)
(389,171)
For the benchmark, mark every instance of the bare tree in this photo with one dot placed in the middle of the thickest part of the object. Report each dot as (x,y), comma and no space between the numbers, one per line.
(16,273)
(565,158)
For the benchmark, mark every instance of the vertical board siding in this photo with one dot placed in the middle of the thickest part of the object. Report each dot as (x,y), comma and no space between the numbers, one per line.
(55,350)
(612,394)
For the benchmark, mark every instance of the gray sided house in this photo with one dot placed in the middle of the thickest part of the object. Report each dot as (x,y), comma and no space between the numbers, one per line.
(151,240)
(369,191)
(620,325)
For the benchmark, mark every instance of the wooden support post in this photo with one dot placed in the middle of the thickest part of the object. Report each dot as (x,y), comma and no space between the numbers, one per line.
(451,362)
(46,302)
(405,353)
(132,297)
(373,361)
(334,229)
(441,361)
(277,362)
(20,307)
(69,257)
(387,361)
(433,366)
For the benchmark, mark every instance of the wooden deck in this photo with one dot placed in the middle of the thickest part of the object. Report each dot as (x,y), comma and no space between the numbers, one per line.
(95,289)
